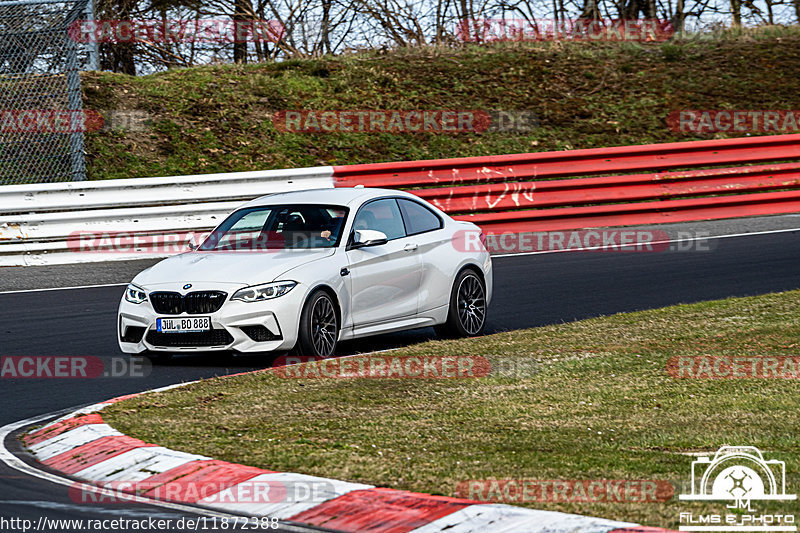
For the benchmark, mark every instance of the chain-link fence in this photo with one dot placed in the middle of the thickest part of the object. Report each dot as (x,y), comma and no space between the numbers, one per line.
(41,118)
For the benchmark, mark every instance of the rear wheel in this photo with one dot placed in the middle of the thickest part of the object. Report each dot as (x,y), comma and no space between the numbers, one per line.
(319,326)
(466,316)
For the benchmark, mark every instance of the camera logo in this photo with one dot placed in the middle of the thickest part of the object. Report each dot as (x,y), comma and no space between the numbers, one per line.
(737,475)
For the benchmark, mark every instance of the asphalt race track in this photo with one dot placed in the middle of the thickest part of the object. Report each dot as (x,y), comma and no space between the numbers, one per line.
(530,290)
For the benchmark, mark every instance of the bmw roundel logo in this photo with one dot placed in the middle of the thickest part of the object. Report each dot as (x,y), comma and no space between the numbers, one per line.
(187,286)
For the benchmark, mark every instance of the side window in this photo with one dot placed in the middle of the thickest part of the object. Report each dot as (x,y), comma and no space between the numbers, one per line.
(418,218)
(381,215)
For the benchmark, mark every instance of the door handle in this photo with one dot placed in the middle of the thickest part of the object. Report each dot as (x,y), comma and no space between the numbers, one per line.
(410,247)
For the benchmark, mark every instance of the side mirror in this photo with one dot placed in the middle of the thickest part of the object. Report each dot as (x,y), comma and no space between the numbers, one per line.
(192,244)
(368,237)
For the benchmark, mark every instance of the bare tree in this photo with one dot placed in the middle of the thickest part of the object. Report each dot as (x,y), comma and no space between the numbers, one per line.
(242,13)
(118,57)
(312,28)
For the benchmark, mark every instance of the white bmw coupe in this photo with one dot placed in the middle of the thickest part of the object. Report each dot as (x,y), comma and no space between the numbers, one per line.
(308,269)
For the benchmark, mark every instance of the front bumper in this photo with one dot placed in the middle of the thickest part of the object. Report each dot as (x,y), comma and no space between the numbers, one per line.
(272,325)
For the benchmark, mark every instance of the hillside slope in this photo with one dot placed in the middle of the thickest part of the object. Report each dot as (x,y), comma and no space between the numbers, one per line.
(219,118)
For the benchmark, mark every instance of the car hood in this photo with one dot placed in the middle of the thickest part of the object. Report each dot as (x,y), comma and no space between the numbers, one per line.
(243,268)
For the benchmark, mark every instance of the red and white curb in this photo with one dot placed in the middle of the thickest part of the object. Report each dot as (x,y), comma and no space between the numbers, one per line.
(81,445)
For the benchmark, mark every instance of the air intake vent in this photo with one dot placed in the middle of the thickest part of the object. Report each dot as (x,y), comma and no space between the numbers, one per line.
(133,334)
(214,337)
(260,333)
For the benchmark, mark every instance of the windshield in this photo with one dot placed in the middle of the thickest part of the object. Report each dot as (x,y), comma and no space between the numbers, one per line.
(279,227)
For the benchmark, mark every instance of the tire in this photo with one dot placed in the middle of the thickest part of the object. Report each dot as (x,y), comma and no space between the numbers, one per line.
(319,326)
(466,315)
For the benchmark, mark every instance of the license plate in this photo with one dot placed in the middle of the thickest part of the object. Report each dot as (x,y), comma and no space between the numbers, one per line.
(183,325)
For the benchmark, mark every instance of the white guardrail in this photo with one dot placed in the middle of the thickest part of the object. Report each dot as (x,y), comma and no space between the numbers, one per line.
(45,224)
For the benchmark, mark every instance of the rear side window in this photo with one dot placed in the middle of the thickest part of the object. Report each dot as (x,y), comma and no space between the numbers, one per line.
(418,218)
(381,215)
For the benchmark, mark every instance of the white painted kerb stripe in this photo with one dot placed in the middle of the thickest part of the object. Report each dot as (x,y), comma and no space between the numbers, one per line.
(302,493)
(499,518)
(137,465)
(71,439)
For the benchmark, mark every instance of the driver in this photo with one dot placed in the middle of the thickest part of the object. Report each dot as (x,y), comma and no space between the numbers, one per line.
(331,232)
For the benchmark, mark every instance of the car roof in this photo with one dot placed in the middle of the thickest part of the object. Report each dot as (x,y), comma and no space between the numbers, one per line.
(339,196)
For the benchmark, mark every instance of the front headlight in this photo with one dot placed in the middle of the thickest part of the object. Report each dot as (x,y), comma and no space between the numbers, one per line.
(268,291)
(134,294)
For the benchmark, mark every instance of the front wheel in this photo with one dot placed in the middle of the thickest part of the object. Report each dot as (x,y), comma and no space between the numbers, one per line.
(466,316)
(319,326)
